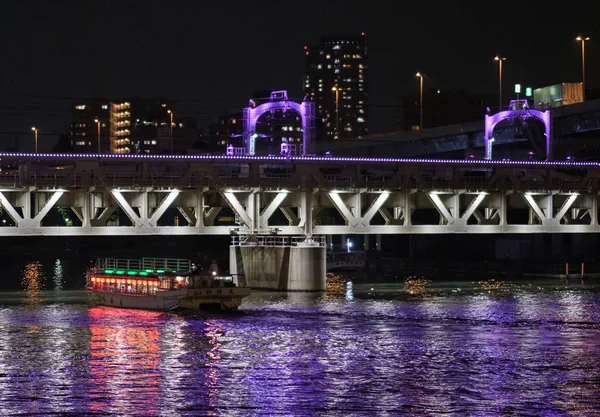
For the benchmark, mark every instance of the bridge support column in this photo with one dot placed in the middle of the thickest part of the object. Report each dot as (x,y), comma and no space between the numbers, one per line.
(264,262)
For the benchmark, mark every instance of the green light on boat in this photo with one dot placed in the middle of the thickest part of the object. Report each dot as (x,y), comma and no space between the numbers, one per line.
(160,271)
(119,272)
(143,273)
(131,272)
(109,271)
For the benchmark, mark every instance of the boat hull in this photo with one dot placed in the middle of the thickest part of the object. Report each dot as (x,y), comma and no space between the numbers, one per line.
(214,298)
(164,301)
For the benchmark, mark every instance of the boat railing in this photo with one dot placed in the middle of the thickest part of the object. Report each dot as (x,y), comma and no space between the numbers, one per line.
(149,265)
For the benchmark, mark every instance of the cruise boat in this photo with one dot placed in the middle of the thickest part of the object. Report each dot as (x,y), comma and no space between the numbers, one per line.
(213,292)
(160,284)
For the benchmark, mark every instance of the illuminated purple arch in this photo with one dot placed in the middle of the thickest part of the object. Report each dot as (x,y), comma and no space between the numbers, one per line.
(518,108)
(279,101)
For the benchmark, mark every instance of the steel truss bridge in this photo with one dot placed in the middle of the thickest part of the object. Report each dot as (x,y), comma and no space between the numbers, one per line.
(315,195)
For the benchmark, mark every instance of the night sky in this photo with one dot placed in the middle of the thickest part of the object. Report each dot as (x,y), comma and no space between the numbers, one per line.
(214,55)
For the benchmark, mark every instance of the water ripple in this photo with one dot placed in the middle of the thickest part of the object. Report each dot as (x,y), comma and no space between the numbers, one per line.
(527,351)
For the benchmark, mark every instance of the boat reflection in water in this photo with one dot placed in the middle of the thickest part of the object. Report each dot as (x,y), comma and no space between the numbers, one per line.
(124,361)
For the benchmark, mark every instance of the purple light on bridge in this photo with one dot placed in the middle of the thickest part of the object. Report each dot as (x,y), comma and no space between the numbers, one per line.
(325,159)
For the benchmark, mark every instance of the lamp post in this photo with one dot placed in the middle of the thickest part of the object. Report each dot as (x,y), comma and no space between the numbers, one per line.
(171,130)
(500,59)
(337,111)
(583,39)
(35,135)
(98,123)
(420,100)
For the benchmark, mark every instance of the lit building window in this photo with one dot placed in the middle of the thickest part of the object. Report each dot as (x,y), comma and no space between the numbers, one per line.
(80,107)
(105,106)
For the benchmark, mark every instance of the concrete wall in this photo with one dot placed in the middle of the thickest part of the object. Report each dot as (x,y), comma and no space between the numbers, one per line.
(281,268)
(308,268)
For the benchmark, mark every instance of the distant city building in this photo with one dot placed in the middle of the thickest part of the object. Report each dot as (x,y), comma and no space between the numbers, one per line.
(336,80)
(138,125)
(441,108)
(90,126)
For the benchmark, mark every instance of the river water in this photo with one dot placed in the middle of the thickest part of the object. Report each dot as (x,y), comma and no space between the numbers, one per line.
(454,349)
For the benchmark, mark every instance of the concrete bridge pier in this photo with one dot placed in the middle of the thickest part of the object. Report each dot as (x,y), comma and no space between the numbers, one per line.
(279,263)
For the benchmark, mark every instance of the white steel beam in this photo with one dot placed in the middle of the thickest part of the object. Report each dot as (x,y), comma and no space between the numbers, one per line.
(341,206)
(37,220)
(472,207)
(389,218)
(238,208)
(377,204)
(534,206)
(211,215)
(10,209)
(103,217)
(188,215)
(441,208)
(164,205)
(270,209)
(290,215)
(565,207)
(135,219)
(78,211)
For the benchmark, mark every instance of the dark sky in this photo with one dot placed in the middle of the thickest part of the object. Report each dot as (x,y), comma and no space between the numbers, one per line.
(215,54)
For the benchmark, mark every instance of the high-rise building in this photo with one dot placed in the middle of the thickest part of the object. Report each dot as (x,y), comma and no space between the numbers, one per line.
(138,125)
(142,125)
(336,80)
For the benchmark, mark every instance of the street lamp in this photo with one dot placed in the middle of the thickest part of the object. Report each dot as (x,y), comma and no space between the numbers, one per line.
(420,100)
(35,135)
(337,111)
(171,130)
(500,59)
(583,39)
(98,123)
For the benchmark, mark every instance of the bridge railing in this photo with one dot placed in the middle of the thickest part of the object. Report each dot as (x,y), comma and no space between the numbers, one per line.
(260,240)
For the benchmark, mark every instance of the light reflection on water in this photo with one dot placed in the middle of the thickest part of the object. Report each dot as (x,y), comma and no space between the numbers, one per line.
(360,350)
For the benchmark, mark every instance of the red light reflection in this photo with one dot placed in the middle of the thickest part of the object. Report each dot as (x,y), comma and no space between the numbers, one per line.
(124,360)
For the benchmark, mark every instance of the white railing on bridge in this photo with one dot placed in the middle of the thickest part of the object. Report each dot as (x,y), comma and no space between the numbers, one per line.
(258,240)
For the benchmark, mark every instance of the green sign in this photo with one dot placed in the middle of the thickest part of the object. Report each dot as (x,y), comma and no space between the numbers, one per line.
(528,92)
(517,88)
